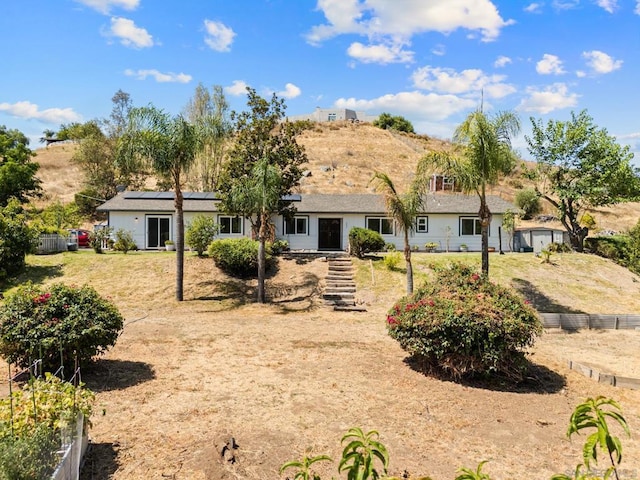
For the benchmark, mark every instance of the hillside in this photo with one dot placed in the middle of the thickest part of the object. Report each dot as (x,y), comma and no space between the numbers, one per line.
(342,159)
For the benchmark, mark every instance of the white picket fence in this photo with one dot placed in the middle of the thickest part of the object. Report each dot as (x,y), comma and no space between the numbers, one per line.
(51,243)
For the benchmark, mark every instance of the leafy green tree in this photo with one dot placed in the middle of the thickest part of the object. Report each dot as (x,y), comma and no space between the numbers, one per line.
(17,171)
(387,121)
(485,154)
(264,161)
(169,146)
(201,232)
(403,208)
(509,222)
(528,201)
(16,239)
(210,111)
(580,166)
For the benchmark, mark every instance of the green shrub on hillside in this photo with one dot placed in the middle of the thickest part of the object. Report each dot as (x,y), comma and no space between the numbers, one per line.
(528,201)
(238,256)
(57,324)
(461,324)
(124,241)
(363,241)
(16,239)
(201,232)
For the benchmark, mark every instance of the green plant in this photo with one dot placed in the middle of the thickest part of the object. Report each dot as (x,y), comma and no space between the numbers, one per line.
(528,201)
(556,247)
(124,241)
(168,242)
(477,474)
(16,239)
(430,246)
(588,220)
(238,256)
(461,324)
(278,246)
(389,247)
(546,255)
(57,324)
(360,453)
(98,238)
(31,457)
(392,260)
(304,467)
(593,413)
(363,241)
(201,232)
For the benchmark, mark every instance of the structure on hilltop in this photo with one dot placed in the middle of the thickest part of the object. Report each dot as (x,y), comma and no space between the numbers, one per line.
(333,115)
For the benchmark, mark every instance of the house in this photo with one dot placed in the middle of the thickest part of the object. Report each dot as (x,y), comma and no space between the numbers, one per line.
(321,115)
(322,221)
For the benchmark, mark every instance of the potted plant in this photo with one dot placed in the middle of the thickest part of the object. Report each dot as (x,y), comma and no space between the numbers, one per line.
(430,246)
(463,247)
(169,245)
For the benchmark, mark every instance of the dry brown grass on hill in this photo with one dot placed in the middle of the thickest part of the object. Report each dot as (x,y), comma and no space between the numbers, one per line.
(342,159)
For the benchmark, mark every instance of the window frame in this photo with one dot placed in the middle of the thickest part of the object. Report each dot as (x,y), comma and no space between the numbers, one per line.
(294,221)
(381,221)
(426,224)
(477,227)
(231,219)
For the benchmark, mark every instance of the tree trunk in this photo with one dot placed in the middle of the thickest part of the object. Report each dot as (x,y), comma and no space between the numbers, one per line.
(407,258)
(262,239)
(485,221)
(178,202)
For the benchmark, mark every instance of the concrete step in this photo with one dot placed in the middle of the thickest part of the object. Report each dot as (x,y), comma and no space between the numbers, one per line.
(349,288)
(339,276)
(340,303)
(349,308)
(339,296)
(340,268)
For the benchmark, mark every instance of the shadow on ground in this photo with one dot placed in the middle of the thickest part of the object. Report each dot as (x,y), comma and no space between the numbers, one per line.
(36,274)
(538,379)
(106,375)
(100,461)
(539,300)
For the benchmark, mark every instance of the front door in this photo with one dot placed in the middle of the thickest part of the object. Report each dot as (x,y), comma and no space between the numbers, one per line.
(158,230)
(330,234)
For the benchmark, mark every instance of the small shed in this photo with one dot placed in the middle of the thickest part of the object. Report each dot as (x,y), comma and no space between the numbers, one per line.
(534,239)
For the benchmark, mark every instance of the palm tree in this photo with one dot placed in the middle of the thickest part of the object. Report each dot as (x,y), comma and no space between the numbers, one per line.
(403,208)
(168,145)
(258,197)
(485,154)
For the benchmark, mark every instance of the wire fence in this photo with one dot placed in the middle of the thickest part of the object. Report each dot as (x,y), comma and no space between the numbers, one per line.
(577,321)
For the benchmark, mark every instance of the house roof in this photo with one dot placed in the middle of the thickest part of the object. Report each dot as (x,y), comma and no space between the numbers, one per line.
(366,203)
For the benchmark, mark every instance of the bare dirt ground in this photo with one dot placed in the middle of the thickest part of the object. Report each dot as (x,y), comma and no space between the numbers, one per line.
(291,377)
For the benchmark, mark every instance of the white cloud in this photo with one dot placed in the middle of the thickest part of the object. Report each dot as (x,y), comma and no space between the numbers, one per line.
(600,62)
(502,61)
(637,10)
(380,53)
(553,97)
(426,107)
(104,6)
(159,76)
(237,88)
(565,4)
(533,8)
(447,80)
(439,50)
(550,65)
(290,91)
(219,37)
(397,21)
(609,5)
(129,34)
(581,73)
(31,111)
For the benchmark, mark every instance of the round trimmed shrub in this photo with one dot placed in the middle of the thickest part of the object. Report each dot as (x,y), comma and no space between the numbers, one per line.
(57,324)
(238,256)
(462,325)
(529,202)
(363,241)
(201,232)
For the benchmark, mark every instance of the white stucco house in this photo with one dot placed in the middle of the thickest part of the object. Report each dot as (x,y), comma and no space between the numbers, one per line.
(322,221)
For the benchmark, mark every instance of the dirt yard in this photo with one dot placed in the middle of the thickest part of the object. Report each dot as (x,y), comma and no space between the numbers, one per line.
(292,377)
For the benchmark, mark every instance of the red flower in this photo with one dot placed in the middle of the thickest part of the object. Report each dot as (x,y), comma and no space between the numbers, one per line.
(475,277)
(391,320)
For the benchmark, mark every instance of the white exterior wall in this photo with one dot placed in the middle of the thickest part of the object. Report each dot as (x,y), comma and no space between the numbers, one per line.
(437,232)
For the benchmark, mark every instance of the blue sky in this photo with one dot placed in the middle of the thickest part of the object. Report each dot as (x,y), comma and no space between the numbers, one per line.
(427,60)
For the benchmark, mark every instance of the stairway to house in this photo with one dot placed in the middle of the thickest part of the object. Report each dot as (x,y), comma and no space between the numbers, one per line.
(340,289)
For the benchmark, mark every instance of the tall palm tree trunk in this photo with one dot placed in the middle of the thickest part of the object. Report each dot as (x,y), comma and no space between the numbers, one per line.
(262,239)
(485,221)
(407,258)
(178,203)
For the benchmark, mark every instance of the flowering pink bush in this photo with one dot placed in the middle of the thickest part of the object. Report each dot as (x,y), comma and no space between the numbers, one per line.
(57,325)
(461,324)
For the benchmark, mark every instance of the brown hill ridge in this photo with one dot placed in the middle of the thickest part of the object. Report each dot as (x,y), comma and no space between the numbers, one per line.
(342,159)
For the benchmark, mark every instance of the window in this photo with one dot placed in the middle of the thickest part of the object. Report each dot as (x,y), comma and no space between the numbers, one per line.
(470,226)
(331,117)
(422,224)
(230,225)
(296,226)
(384,226)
